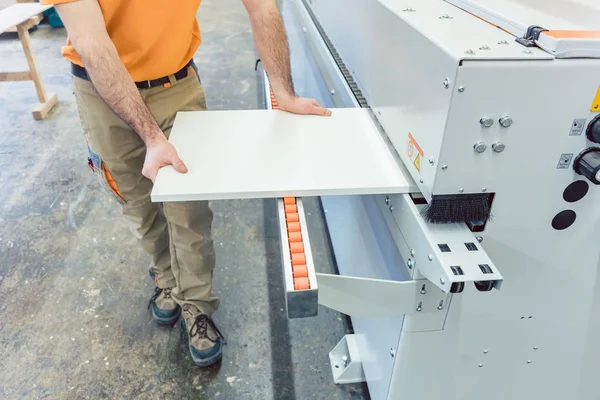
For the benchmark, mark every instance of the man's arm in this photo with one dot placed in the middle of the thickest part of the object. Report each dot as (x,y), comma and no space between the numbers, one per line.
(85,25)
(272,47)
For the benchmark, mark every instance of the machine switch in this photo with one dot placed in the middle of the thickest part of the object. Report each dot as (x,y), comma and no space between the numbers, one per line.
(593,130)
(587,163)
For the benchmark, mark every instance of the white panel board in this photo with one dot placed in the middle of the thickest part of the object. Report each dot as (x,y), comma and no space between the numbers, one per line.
(517,15)
(266,153)
(18,13)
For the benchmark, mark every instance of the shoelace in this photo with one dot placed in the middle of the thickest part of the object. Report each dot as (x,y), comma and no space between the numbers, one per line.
(200,327)
(157,292)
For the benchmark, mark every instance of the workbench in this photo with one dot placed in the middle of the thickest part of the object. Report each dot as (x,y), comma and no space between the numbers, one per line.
(20,15)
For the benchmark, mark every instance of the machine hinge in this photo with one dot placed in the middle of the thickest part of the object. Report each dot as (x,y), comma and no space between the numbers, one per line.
(533,33)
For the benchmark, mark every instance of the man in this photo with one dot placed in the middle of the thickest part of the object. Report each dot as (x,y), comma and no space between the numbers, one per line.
(133,71)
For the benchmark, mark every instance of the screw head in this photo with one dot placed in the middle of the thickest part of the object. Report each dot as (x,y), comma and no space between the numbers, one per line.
(412,252)
(430,257)
(440,307)
(461,89)
(484,189)
(446,16)
(387,200)
(528,361)
(461,190)
(410,263)
(503,42)
(479,147)
(535,347)
(479,239)
(332,91)
(485,47)
(304,29)
(391,207)
(505,121)
(485,352)
(421,180)
(409,10)
(392,352)
(444,167)
(447,83)
(431,160)
(498,147)
(469,52)
(442,281)
(480,365)
(486,122)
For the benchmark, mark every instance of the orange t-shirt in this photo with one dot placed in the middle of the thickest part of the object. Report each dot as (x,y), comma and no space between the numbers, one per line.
(154,38)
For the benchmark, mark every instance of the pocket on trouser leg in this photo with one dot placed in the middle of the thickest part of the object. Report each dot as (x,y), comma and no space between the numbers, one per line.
(107,182)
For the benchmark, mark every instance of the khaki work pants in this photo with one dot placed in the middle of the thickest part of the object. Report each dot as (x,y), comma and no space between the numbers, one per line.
(177,235)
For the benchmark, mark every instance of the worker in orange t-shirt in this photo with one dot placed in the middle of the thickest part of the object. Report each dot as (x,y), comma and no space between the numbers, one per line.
(133,69)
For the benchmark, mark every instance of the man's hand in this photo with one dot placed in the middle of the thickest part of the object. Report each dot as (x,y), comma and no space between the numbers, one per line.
(302,105)
(272,47)
(160,154)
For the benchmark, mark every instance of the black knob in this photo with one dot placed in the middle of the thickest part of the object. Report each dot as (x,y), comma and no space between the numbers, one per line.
(593,130)
(587,163)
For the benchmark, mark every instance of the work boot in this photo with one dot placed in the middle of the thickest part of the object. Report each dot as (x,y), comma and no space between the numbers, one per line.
(165,310)
(205,340)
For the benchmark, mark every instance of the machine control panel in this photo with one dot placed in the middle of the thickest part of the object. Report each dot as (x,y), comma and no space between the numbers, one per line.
(587,163)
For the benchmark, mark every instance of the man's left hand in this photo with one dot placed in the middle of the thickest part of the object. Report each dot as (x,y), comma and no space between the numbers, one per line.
(302,105)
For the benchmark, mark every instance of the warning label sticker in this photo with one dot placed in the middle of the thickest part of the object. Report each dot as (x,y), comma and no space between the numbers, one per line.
(564,161)
(577,127)
(415,153)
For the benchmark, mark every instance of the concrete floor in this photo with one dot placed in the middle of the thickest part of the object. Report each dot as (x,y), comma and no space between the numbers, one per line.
(73,283)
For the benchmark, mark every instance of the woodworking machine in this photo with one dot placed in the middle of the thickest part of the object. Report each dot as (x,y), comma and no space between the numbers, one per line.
(471,96)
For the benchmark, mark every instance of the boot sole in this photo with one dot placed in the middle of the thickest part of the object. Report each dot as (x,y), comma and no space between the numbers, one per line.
(206,362)
(166,321)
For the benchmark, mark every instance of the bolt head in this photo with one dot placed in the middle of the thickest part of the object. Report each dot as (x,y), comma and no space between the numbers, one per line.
(332,91)
(431,161)
(442,281)
(484,189)
(444,167)
(505,121)
(503,42)
(479,239)
(480,365)
(410,263)
(392,353)
(430,257)
(469,51)
(344,358)
(484,47)
(447,83)
(479,147)
(461,190)
(485,352)
(498,147)
(528,361)
(387,200)
(461,89)
(412,252)
(421,180)
(535,347)
(486,122)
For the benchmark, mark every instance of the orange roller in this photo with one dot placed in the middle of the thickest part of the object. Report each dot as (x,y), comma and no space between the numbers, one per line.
(293,227)
(300,271)
(289,200)
(291,208)
(296,247)
(295,237)
(298,259)
(292,217)
(301,283)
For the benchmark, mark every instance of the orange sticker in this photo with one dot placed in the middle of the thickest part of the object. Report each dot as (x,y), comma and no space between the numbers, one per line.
(415,156)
